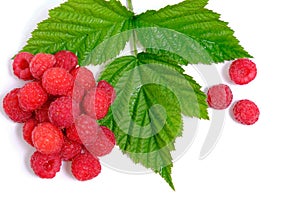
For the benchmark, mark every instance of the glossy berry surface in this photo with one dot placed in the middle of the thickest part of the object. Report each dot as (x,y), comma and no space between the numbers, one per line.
(45,165)
(63,112)
(66,59)
(85,167)
(57,81)
(12,107)
(219,96)
(246,112)
(40,63)
(242,71)
(21,66)
(96,103)
(47,138)
(32,96)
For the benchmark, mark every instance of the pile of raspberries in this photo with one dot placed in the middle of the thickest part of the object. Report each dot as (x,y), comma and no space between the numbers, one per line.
(59,106)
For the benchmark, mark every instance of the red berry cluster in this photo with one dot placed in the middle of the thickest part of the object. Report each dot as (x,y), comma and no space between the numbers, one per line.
(59,105)
(241,72)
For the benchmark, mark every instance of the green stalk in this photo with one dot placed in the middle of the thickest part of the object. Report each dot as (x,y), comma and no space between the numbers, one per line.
(129,5)
(132,42)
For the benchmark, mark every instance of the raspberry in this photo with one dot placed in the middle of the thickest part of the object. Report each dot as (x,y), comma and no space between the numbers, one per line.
(66,59)
(242,71)
(32,96)
(108,89)
(28,127)
(104,143)
(21,66)
(96,103)
(57,81)
(41,114)
(219,96)
(70,149)
(63,112)
(76,93)
(45,165)
(47,138)
(12,108)
(71,133)
(40,63)
(85,167)
(84,78)
(246,112)
(87,129)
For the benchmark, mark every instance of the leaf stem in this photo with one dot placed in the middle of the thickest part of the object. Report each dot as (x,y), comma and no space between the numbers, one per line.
(129,5)
(132,42)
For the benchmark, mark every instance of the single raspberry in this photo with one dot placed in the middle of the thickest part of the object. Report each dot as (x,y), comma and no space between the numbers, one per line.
(70,149)
(76,93)
(108,89)
(246,112)
(28,127)
(84,78)
(45,165)
(219,96)
(71,133)
(66,59)
(242,71)
(96,103)
(12,107)
(32,96)
(57,81)
(21,66)
(40,63)
(104,143)
(41,114)
(47,138)
(85,167)
(63,112)
(87,129)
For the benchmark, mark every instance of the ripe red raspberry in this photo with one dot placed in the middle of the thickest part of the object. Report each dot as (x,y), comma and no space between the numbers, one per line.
(40,63)
(242,71)
(41,114)
(84,78)
(66,59)
(70,149)
(85,167)
(77,92)
(12,107)
(246,112)
(108,89)
(57,81)
(86,128)
(71,133)
(96,103)
(47,138)
(21,66)
(219,96)
(45,165)
(28,127)
(104,143)
(32,96)
(63,112)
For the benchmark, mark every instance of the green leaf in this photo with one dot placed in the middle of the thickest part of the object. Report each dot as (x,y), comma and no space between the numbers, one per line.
(190,31)
(168,56)
(165,173)
(89,28)
(193,100)
(97,30)
(146,116)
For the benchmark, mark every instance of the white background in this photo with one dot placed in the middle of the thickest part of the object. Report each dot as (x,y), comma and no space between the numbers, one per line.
(249,162)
